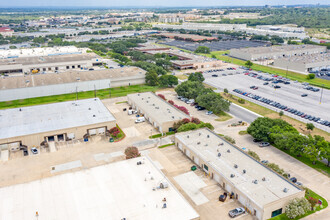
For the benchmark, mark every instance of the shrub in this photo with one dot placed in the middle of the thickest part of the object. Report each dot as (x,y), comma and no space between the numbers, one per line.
(312,201)
(114,129)
(254,155)
(195,120)
(162,96)
(132,152)
(187,127)
(185,120)
(240,100)
(276,168)
(230,139)
(225,90)
(310,76)
(182,108)
(297,207)
(206,125)
(171,102)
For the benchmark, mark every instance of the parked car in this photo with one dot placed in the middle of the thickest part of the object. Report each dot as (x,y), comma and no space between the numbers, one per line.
(140,119)
(304,95)
(293,179)
(223,197)
(236,212)
(200,108)
(34,150)
(214,75)
(266,83)
(264,161)
(209,113)
(264,144)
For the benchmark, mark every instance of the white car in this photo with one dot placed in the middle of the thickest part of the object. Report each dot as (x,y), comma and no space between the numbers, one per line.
(34,150)
(209,113)
(236,212)
(140,119)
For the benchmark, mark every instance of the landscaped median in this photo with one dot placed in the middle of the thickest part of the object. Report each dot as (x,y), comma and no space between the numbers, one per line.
(316,201)
(102,94)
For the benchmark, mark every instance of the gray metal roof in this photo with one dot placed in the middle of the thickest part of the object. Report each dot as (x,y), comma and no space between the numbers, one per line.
(51,117)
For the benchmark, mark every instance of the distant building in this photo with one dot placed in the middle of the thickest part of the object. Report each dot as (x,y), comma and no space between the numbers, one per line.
(204,26)
(276,52)
(187,37)
(6,31)
(304,63)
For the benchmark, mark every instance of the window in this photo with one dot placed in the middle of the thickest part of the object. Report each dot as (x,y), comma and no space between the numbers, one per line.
(206,167)
(44,69)
(67,67)
(79,66)
(56,68)
(276,212)
(73,67)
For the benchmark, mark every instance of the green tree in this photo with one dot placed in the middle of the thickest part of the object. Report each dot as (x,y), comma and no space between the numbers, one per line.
(152,78)
(310,76)
(281,113)
(310,126)
(248,63)
(168,80)
(198,76)
(202,49)
(297,207)
(225,90)
(213,102)
(191,89)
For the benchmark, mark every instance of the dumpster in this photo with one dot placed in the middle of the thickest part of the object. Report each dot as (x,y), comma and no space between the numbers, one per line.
(193,168)
(111,140)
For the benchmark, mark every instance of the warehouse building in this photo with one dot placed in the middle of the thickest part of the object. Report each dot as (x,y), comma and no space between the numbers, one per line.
(71,81)
(275,52)
(185,60)
(157,111)
(187,37)
(50,63)
(58,122)
(131,189)
(304,63)
(261,191)
(203,26)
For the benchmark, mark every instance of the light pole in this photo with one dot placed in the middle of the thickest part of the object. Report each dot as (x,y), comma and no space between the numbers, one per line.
(321,93)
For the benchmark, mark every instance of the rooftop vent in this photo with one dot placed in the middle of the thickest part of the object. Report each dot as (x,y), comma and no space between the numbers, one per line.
(199,134)
(142,98)
(228,151)
(285,190)
(147,101)
(89,109)
(219,154)
(255,181)
(173,117)
(94,116)
(198,142)
(235,166)
(208,136)
(244,171)
(187,136)
(232,175)
(153,104)
(263,179)
(138,94)
(20,109)
(206,145)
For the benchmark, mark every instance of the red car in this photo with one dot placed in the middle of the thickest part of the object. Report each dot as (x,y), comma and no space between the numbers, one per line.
(246,73)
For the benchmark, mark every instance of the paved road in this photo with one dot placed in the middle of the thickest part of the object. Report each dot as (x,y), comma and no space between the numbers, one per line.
(243,113)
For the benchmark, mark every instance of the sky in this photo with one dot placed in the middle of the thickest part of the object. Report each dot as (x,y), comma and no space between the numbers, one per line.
(152,3)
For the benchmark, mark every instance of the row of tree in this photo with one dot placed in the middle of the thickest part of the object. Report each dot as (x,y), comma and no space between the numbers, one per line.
(206,97)
(284,136)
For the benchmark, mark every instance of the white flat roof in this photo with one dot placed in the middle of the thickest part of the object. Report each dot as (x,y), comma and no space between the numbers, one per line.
(157,108)
(110,192)
(207,145)
(51,117)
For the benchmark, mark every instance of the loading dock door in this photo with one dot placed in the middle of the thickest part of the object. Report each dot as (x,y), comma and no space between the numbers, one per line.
(242,200)
(217,178)
(180,146)
(196,160)
(14,146)
(188,153)
(92,131)
(228,188)
(101,130)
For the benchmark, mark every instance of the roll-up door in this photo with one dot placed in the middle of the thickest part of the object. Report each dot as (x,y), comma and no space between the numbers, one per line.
(242,200)
(71,136)
(188,153)
(217,178)
(92,131)
(228,188)
(196,160)
(180,146)
(101,130)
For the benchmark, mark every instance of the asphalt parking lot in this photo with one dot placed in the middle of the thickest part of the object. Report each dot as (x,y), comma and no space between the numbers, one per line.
(289,95)
(216,45)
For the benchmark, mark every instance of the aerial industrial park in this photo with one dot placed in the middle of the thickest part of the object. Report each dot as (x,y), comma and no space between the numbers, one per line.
(213,112)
